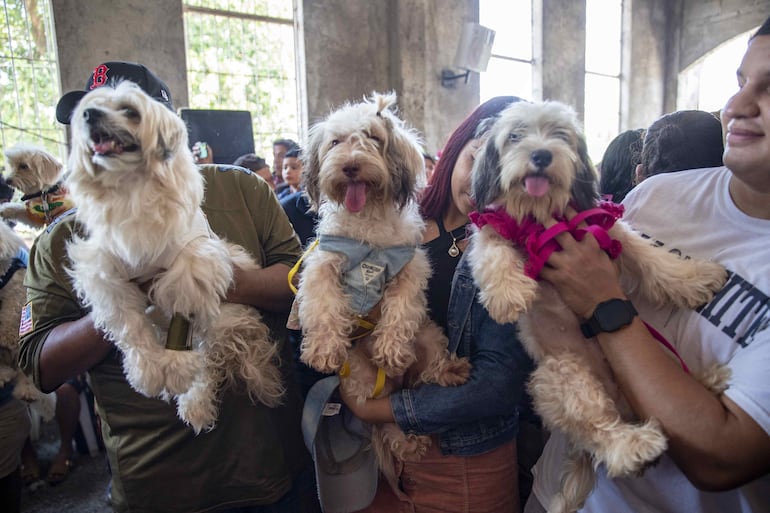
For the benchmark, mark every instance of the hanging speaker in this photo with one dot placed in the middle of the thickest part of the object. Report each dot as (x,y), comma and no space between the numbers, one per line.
(475,47)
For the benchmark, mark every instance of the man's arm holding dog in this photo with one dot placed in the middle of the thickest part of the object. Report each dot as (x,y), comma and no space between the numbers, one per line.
(69,349)
(716,444)
(58,340)
(266,289)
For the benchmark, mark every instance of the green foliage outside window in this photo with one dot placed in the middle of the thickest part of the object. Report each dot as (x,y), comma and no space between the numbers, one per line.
(29,81)
(240,56)
(244,59)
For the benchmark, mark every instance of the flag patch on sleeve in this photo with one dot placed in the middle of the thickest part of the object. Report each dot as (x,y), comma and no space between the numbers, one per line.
(26,323)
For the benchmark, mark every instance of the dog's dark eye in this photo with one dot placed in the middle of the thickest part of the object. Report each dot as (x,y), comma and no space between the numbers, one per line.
(23,166)
(374,138)
(130,113)
(334,142)
(513,137)
(563,135)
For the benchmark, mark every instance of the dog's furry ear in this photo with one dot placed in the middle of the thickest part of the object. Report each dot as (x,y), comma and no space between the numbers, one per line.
(167,128)
(402,151)
(585,187)
(44,160)
(311,165)
(485,181)
(406,163)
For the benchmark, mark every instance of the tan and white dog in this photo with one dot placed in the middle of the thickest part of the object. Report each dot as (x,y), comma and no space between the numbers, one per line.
(13,295)
(363,169)
(139,194)
(534,167)
(38,175)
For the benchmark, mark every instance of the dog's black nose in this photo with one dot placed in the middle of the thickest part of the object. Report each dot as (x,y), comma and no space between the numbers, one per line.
(91,115)
(541,158)
(350,170)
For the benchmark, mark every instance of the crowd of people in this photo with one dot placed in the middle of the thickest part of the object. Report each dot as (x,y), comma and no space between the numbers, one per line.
(695,183)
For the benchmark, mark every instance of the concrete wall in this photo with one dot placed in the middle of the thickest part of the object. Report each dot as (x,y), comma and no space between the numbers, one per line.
(89,32)
(354,47)
(651,44)
(708,23)
(562,50)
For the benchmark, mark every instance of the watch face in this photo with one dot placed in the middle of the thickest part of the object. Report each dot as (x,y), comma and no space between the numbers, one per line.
(614,314)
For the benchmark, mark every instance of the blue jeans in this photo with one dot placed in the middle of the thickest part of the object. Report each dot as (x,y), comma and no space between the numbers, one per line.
(302,497)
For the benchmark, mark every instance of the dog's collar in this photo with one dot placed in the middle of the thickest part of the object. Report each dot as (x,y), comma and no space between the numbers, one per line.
(540,242)
(48,204)
(33,195)
(16,264)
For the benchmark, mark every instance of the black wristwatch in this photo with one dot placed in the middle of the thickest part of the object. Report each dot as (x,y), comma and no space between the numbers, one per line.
(609,316)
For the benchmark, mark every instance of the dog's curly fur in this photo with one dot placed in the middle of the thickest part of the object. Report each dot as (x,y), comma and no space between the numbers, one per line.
(367,147)
(138,193)
(572,387)
(12,298)
(32,171)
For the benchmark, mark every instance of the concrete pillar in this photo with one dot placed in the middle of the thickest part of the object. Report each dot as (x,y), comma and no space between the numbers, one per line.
(151,32)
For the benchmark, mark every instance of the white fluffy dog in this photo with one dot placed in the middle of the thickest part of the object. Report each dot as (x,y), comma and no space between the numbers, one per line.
(363,168)
(533,168)
(37,174)
(138,193)
(12,298)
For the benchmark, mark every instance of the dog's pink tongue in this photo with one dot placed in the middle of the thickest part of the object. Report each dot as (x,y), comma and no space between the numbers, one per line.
(355,196)
(536,186)
(108,146)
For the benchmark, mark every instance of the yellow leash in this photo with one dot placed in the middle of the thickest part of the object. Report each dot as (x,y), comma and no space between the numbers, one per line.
(294,270)
(379,383)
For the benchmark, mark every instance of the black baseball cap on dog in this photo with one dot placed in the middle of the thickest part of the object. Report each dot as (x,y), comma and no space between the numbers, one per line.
(112,73)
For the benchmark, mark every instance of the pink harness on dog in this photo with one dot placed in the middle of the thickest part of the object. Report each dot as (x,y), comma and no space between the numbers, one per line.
(540,242)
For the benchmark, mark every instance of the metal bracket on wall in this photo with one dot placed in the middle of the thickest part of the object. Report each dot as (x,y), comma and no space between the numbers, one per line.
(448,77)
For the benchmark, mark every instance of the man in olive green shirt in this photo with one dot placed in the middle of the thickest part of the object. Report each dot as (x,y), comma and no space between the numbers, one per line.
(254,460)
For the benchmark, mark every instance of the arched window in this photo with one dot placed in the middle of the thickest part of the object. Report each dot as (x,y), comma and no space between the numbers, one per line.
(707,83)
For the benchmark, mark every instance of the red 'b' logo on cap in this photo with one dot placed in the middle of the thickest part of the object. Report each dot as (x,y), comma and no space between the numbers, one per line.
(100,76)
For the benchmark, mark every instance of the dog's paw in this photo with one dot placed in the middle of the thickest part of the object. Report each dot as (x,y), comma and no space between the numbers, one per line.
(632,448)
(455,371)
(411,447)
(715,378)
(198,407)
(327,362)
(501,309)
(395,361)
(711,277)
(693,289)
(181,369)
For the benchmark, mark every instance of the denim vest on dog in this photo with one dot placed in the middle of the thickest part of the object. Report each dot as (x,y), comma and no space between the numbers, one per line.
(368,268)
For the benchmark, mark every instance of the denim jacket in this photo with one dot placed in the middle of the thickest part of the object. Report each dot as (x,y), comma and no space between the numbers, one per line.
(483,413)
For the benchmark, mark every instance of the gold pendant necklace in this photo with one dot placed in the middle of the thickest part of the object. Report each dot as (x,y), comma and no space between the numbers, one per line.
(454,251)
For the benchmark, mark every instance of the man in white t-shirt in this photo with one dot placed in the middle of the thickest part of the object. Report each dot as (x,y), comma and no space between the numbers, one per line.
(718,458)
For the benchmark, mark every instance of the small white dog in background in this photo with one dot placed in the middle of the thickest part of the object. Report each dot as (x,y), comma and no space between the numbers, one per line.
(139,193)
(533,168)
(13,295)
(38,175)
(363,169)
